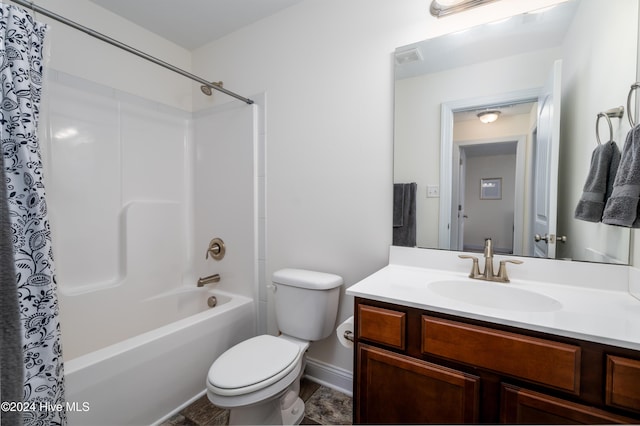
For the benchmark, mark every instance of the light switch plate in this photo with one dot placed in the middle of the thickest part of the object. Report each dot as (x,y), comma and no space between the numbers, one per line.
(433,191)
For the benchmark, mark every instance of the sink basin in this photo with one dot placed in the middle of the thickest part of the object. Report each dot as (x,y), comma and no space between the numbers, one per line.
(494,295)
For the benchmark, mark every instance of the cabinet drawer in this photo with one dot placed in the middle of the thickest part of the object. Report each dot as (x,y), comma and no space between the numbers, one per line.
(382,326)
(538,360)
(623,383)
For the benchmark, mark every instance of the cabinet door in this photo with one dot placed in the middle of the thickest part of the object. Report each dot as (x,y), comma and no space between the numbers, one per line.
(623,383)
(521,406)
(393,388)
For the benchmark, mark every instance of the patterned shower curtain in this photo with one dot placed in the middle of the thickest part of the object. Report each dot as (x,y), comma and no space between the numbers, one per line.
(21,67)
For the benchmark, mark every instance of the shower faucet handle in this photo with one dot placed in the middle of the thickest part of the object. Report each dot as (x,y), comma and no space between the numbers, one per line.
(216,249)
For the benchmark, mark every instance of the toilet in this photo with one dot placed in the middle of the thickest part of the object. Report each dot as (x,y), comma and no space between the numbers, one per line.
(259,379)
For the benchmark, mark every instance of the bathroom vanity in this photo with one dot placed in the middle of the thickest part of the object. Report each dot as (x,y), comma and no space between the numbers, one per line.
(427,356)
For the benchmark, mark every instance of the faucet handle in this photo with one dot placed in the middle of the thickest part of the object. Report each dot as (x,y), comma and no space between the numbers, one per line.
(216,249)
(502,271)
(475,269)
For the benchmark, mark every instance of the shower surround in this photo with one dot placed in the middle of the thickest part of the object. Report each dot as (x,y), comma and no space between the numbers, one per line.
(137,190)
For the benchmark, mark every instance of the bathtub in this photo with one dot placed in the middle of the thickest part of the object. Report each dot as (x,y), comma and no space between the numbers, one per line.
(145,378)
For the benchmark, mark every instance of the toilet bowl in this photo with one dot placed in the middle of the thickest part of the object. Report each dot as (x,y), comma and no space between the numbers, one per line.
(252,378)
(259,379)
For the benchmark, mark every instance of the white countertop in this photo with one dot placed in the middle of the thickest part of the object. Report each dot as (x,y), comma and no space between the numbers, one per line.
(594,314)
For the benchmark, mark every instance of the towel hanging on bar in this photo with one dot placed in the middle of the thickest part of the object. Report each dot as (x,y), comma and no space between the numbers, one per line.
(404,205)
(599,183)
(622,207)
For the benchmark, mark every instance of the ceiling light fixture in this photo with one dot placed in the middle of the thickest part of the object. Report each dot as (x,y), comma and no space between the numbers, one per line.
(440,8)
(488,116)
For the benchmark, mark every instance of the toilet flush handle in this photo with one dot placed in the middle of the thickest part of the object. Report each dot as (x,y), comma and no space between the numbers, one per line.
(272,287)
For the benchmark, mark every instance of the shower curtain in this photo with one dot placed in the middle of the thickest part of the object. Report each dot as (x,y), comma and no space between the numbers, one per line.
(38,328)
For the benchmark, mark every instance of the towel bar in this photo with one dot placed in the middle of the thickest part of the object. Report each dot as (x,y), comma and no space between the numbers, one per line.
(613,112)
(634,86)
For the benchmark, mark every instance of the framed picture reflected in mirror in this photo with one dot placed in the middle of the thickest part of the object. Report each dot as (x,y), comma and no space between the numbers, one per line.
(491,189)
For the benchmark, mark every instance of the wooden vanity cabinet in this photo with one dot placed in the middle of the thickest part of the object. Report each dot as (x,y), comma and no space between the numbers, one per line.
(415,366)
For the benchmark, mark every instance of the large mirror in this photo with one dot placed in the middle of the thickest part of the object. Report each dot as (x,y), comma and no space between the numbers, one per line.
(516,179)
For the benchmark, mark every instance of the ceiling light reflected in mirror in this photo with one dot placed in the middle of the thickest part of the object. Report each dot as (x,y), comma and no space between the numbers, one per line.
(440,8)
(488,116)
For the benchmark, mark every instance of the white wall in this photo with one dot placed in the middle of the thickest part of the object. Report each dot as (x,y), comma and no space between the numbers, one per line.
(583,96)
(326,66)
(81,55)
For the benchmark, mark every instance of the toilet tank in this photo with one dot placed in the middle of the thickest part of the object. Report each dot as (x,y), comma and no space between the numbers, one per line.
(306,302)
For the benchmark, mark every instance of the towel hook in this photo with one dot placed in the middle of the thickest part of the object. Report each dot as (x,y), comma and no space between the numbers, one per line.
(613,112)
(634,86)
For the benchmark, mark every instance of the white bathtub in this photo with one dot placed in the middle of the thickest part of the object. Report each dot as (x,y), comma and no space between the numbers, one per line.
(144,378)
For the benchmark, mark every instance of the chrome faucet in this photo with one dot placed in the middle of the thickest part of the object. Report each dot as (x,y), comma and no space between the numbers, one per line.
(487,274)
(208,280)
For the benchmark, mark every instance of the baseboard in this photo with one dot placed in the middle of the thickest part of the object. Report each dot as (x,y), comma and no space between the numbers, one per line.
(330,376)
(177,410)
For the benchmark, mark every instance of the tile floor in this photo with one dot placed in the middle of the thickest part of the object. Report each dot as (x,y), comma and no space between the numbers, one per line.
(323,406)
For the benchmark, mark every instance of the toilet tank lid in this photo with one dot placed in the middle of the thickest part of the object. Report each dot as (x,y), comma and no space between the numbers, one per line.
(307,279)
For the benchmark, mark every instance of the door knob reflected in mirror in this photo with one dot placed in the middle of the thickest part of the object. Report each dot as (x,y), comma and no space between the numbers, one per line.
(550,238)
(538,238)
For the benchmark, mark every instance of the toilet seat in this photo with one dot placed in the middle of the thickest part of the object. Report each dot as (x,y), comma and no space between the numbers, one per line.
(253,365)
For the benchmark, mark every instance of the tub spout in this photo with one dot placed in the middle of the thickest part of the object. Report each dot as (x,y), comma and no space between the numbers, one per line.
(208,280)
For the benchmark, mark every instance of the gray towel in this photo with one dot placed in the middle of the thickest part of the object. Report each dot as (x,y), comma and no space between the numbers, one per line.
(622,207)
(11,359)
(599,184)
(405,235)
(398,204)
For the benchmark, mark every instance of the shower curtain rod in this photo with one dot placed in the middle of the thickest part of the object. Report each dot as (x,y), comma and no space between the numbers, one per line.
(116,43)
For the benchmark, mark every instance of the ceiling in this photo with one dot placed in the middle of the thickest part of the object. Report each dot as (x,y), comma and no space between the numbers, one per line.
(194,23)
